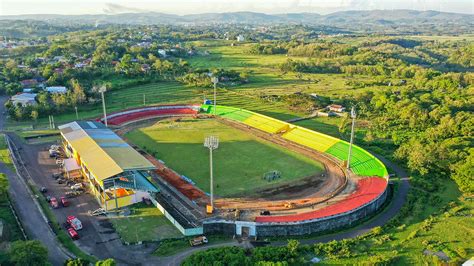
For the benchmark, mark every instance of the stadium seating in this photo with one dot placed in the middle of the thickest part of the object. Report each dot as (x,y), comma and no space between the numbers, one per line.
(310,139)
(362,162)
(368,189)
(136,114)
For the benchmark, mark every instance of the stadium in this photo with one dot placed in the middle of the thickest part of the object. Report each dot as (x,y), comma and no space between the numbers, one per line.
(270,177)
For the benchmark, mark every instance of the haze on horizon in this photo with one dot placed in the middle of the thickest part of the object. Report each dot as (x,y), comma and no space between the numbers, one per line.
(182,7)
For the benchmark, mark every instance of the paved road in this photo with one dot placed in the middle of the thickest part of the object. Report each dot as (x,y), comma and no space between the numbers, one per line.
(28,212)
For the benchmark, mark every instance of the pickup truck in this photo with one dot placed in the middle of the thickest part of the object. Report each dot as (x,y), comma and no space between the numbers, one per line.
(197,241)
(74,222)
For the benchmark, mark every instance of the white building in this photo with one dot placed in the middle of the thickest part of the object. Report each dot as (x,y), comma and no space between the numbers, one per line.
(56,89)
(240,38)
(24,99)
(162,52)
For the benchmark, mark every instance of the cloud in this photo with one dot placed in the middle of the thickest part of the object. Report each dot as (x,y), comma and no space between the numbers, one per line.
(111,9)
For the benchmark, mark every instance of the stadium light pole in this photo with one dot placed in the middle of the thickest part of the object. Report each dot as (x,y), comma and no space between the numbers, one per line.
(212,143)
(215,80)
(102,91)
(77,115)
(353,116)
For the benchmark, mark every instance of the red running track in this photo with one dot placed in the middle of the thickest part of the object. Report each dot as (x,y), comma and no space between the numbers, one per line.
(367,190)
(121,119)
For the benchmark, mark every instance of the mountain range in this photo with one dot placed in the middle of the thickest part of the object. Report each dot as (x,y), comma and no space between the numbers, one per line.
(374,17)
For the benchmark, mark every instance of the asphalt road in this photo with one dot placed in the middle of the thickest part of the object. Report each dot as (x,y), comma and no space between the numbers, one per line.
(27,209)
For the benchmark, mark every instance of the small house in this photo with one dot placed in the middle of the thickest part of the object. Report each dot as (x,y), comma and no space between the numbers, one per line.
(24,99)
(56,89)
(26,83)
(336,108)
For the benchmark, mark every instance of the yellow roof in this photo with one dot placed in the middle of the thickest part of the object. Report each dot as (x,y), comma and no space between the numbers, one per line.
(103,152)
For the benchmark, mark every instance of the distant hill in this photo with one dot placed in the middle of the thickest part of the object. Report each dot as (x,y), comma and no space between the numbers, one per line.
(373,19)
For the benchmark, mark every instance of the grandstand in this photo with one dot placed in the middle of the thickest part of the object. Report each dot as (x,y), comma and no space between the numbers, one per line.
(137,114)
(362,162)
(368,189)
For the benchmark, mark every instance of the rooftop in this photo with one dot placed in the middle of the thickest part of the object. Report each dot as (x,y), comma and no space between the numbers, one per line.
(103,152)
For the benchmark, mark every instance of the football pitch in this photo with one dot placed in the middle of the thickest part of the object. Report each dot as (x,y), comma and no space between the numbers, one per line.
(240,162)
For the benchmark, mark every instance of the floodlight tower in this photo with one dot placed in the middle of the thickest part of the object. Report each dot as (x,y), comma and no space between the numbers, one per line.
(353,116)
(102,91)
(215,80)
(212,143)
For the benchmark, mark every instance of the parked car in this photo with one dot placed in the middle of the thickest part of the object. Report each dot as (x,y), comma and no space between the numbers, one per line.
(72,194)
(64,201)
(77,186)
(61,180)
(197,241)
(43,190)
(54,203)
(56,176)
(48,199)
(73,233)
(265,212)
(74,222)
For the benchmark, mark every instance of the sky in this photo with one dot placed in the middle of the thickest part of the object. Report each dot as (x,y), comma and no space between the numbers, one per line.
(181,7)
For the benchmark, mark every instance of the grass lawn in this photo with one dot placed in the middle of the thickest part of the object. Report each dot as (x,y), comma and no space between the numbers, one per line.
(146,223)
(240,161)
(4,153)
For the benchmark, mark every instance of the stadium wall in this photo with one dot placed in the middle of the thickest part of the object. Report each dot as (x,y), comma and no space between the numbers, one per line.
(330,223)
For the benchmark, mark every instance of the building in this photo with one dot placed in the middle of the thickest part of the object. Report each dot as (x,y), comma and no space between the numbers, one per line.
(116,174)
(240,38)
(336,108)
(26,83)
(24,99)
(56,89)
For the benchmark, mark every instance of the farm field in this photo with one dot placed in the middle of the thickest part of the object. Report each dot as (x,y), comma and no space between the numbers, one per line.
(145,223)
(240,161)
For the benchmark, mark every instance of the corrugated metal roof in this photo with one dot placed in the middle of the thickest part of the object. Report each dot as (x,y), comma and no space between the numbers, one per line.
(103,152)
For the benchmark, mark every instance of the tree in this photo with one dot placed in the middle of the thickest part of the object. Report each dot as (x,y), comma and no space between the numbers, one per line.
(107,262)
(30,252)
(76,262)
(292,246)
(34,115)
(78,96)
(3,187)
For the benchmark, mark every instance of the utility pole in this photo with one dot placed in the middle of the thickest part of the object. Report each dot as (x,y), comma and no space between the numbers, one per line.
(50,124)
(212,143)
(52,121)
(353,116)
(215,80)
(102,91)
(77,115)
(144,99)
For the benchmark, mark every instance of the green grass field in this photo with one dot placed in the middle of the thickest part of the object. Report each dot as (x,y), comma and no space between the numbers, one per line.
(240,161)
(146,223)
